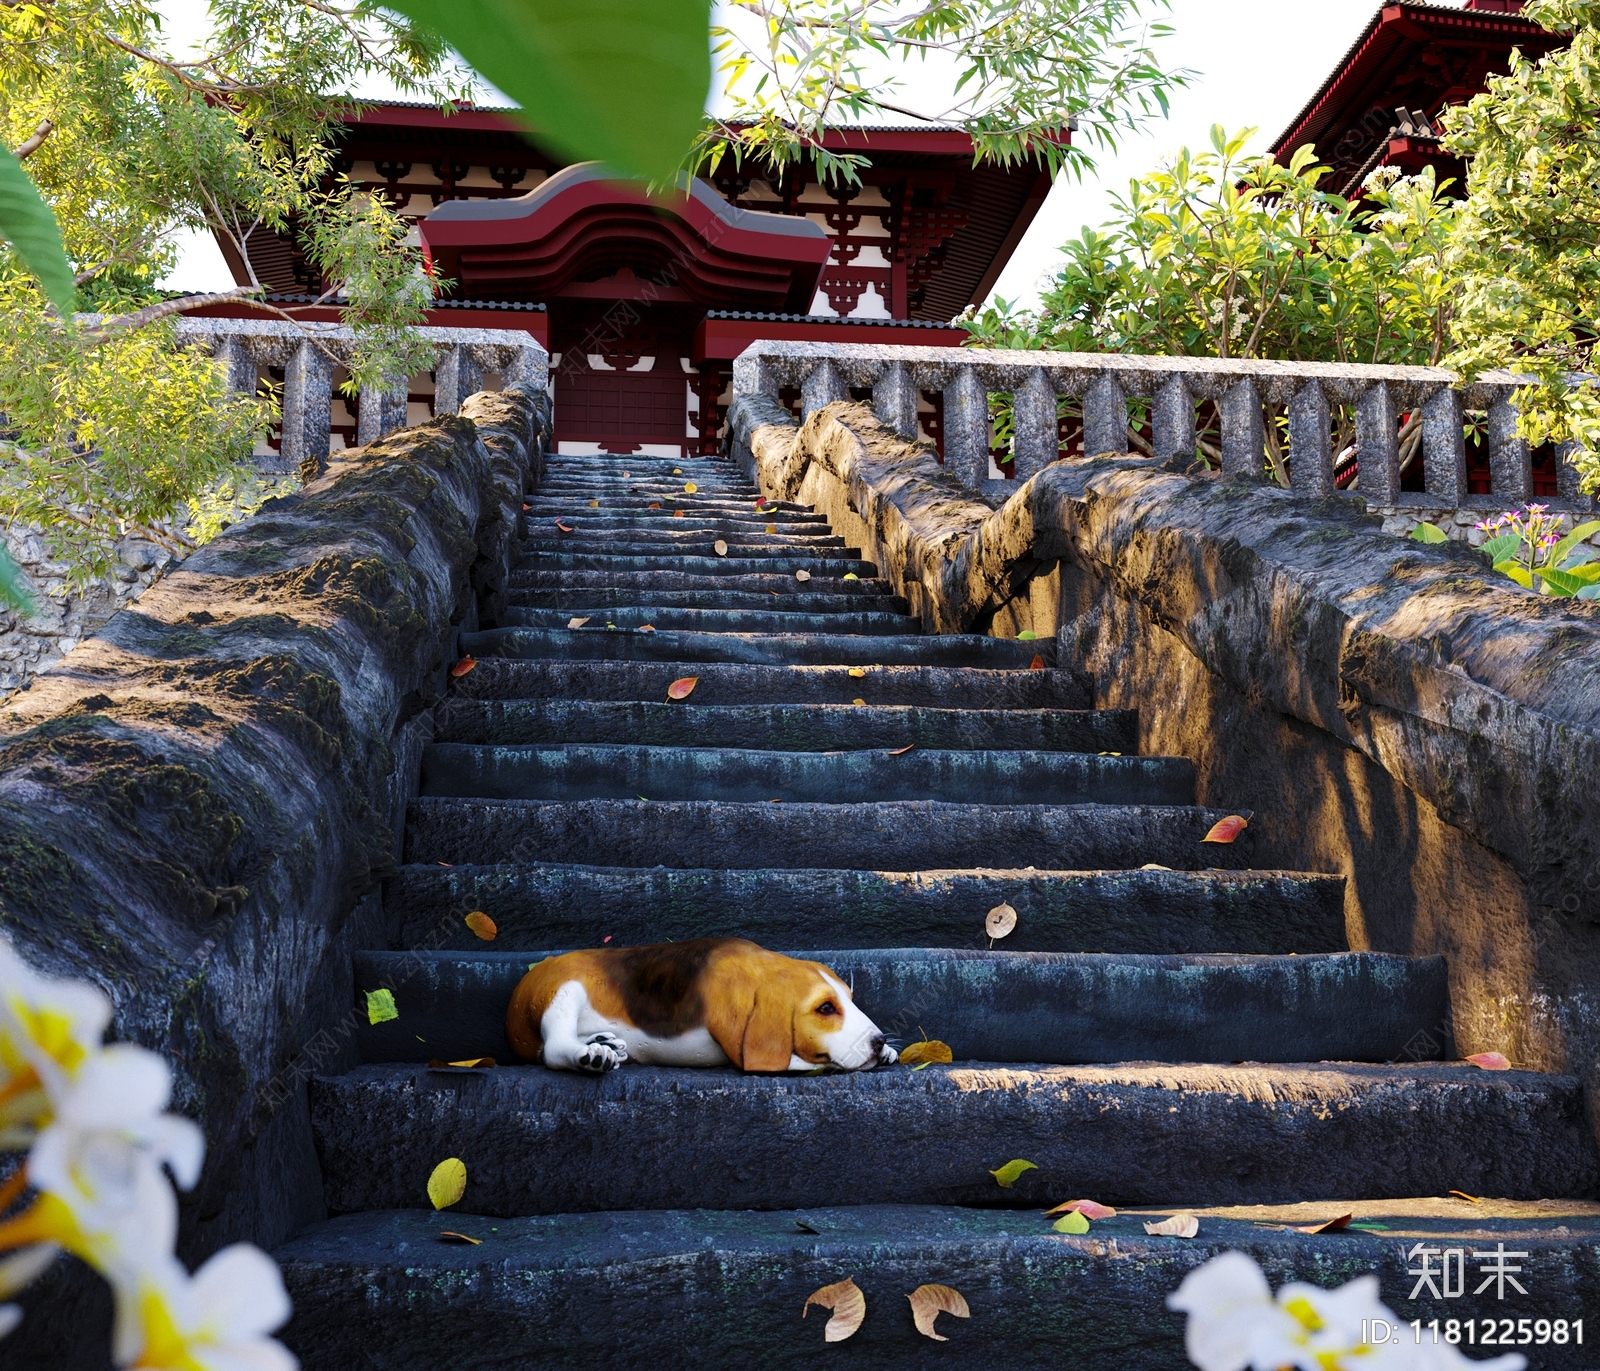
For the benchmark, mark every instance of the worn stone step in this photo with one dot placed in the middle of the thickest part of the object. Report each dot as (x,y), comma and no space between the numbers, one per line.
(648,507)
(991,1006)
(660,525)
(690,539)
(661,617)
(759,649)
(738,683)
(836,561)
(795,728)
(543,905)
(786,563)
(772,585)
(688,1290)
(895,835)
(611,771)
(580,600)
(539,1141)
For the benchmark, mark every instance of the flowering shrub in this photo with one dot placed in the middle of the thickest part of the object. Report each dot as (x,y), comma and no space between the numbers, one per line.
(1533,546)
(92,1119)
(1236,1323)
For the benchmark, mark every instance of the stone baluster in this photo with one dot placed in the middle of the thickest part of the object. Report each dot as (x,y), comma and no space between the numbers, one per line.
(383,410)
(1377,446)
(1444,448)
(1037,440)
(1510,458)
(307,411)
(1243,430)
(966,427)
(1105,416)
(529,364)
(822,387)
(754,375)
(1172,421)
(232,353)
(457,375)
(1310,441)
(894,399)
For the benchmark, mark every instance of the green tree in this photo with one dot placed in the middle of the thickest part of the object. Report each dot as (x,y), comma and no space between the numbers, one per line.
(1526,254)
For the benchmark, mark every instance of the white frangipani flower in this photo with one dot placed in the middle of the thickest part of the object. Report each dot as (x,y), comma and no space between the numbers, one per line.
(216,1320)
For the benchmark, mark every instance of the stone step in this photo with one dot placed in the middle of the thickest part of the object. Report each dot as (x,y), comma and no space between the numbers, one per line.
(536,1141)
(542,905)
(602,771)
(988,1006)
(769,620)
(745,518)
(773,585)
(895,835)
(668,1290)
(582,600)
(758,649)
(794,728)
(789,562)
(734,683)
(662,524)
(688,537)
(761,558)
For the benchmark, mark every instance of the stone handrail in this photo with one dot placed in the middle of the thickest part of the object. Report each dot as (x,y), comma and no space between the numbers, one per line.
(1106,382)
(308,353)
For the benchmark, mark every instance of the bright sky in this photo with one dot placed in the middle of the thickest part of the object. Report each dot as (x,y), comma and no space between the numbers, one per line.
(1257,62)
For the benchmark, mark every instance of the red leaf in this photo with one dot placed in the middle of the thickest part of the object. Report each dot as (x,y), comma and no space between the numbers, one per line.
(562,527)
(682,689)
(1490,1061)
(1037,664)
(1226,830)
(901,751)
(1090,1209)
(462,667)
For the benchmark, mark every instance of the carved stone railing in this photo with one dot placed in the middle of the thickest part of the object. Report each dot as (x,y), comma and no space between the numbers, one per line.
(310,352)
(1104,383)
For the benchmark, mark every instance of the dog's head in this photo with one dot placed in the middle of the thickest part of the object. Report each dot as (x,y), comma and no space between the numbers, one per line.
(773,1013)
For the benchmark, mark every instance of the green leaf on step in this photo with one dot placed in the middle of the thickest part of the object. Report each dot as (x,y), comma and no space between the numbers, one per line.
(27,223)
(1027,636)
(1007,1175)
(381,1006)
(617,81)
(1429,533)
(1071,1223)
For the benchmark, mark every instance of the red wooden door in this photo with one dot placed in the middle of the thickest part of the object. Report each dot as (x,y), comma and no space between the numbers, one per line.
(622,409)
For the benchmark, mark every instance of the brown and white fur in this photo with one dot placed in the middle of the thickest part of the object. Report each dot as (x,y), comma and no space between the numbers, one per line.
(703,1003)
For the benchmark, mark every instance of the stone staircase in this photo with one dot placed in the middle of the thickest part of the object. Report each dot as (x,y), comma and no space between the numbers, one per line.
(1166,1027)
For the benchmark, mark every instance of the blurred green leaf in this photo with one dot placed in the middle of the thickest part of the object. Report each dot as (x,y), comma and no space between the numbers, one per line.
(27,223)
(13,593)
(617,81)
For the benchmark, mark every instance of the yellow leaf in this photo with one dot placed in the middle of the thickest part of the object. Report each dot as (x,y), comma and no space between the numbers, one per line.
(858,702)
(858,672)
(1462,1195)
(851,576)
(381,1006)
(849,1308)
(1178,1226)
(690,487)
(1007,1175)
(577,623)
(1002,919)
(929,1050)
(448,1183)
(1071,1223)
(929,1301)
(677,471)
(1027,636)
(772,528)
(594,504)
(437,1064)
(481,924)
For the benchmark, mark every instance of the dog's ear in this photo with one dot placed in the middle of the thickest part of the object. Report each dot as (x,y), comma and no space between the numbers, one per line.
(751,1017)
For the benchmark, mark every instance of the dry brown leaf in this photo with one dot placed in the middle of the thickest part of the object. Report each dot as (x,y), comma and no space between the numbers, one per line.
(1332,1225)
(1490,1061)
(928,1050)
(577,623)
(858,702)
(720,547)
(562,527)
(1037,664)
(901,751)
(849,1308)
(1154,866)
(594,504)
(1226,830)
(447,1236)
(657,505)
(1001,920)
(481,924)
(1178,1226)
(802,575)
(677,514)
(462,667)
(1462,1195)
(772,528)
(683,688)
(930,1301)
(1090,1209)
(647,628)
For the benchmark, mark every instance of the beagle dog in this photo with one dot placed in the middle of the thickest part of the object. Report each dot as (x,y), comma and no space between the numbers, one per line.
(703,1003)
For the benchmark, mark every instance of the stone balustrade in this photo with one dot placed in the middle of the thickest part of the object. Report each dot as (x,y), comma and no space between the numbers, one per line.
(310,352)
(1105,383)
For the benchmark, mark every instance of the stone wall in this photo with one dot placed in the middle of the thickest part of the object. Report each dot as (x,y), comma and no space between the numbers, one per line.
(1460,523)
(197,804)
(1385,709)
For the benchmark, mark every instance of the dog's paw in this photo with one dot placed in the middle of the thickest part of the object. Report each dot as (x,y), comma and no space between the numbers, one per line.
(887,1056)
(601,1053)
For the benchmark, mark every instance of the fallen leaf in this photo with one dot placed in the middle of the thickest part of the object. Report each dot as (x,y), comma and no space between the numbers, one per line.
(677,514)
(526,508)
(562,527)
(481,924)
(448,1183)
(802,575)
(626,474)
(849,1307)
(462,667)
(850,576)
(472,1063)
(1332,1225)
(720,548)
(682,689)
(577,623)
(772,528)
(444,863)
(858,702)
(607,938)
(926,1051)
(1178,1226)
(1027,636)
(804,1227)
(1226,830)
(1154,866)
(761,501)
(447,1236)
(594,504)
(689,488)
(1090,1209)
(1111,754)
(901,751)
(1462,1195)
(1007,1175)
(1037,664)
(1002,919)
(656,505)
(1072,1223)
(857,672)
(1490,1061)
(930,1301)
(647,628)
(677,471)
(381,1006)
